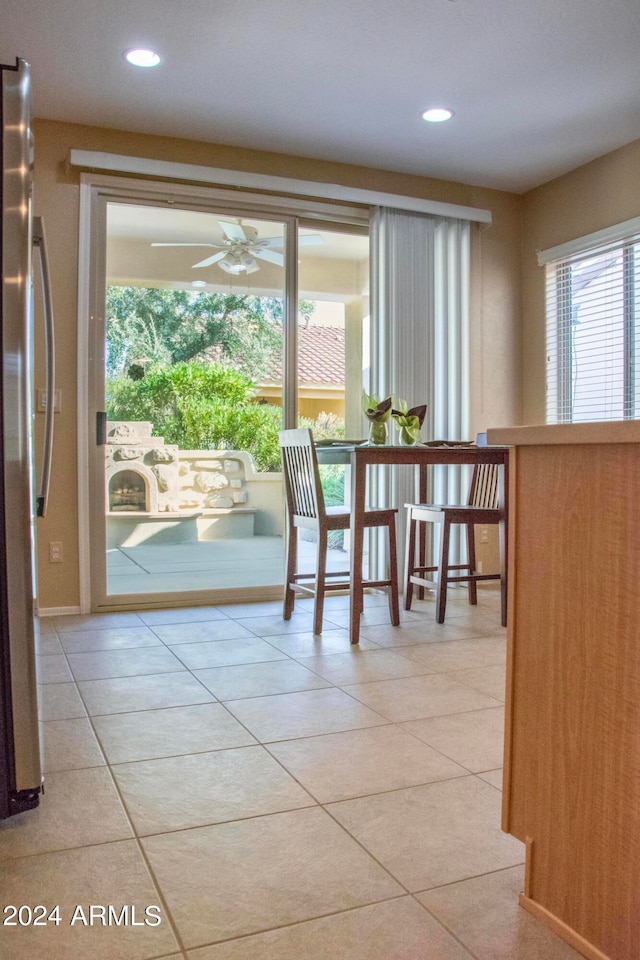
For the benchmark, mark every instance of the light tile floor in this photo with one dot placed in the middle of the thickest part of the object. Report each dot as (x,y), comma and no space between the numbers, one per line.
(276,795)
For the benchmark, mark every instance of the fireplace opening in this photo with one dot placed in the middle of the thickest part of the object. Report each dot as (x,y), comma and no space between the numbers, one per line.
(127,491)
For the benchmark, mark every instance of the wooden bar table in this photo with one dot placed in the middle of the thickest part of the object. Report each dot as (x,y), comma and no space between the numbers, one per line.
(420,455)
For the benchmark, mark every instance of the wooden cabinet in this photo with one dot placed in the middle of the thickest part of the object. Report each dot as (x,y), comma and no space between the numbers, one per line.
(572,751)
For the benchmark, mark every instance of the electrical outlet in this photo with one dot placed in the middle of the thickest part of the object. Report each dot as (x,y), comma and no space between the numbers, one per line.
(479,566)
(484,534)
(55,552)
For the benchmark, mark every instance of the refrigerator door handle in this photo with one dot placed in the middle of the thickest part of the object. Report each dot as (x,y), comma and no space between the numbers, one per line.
(39,241)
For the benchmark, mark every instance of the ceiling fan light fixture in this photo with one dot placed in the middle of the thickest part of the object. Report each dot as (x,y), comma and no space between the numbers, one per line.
(230,267)
(437,114)
(235,264)
(140,57)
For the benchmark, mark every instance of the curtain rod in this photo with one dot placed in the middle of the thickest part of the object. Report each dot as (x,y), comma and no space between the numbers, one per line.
(96,160)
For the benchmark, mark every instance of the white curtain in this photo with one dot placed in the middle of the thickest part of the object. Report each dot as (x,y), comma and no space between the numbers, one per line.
(420,269)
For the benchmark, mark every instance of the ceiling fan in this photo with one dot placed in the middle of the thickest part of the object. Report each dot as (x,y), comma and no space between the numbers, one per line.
(240,248)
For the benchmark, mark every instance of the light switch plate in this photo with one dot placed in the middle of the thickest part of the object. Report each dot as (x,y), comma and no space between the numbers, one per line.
(41,401)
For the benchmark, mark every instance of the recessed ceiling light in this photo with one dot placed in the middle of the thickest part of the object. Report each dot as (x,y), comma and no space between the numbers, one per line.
(198,283)
(143,58)
(437,114)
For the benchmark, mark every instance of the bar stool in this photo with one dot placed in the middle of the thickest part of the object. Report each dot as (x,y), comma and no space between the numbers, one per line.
(306,509)
(481,508)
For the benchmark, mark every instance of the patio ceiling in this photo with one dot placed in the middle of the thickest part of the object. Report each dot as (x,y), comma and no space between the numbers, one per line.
(337,268)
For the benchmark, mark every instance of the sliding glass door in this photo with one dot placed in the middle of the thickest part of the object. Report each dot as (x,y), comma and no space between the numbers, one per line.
(218,327)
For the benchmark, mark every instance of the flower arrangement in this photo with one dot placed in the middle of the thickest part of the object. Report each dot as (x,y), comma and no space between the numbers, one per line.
(377,413)
(409,421)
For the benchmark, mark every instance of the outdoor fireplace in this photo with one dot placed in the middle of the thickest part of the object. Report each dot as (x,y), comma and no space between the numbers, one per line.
(128,492)
(141,470)
(153,489)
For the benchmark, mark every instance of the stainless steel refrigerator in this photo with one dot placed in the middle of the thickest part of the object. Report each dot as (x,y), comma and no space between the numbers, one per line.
(20,769)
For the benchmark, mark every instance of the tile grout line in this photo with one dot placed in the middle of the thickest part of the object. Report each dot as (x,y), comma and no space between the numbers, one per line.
(134,834)
(452,883)
(442,924)
(331,685)
(300,923)
(148,865)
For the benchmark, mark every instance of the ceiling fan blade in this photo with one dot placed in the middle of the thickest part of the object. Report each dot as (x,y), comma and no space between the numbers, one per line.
(233,231)
(210,260)
(303,241)
(271,242)
(185,244)
(268,255)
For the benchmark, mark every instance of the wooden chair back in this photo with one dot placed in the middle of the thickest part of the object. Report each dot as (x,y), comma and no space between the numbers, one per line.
(485,487)
(301,475)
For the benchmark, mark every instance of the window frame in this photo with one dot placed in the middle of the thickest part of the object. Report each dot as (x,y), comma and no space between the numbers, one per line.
(560,263)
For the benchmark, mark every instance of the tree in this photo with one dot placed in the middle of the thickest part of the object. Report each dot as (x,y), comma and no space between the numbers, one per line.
(188,363)
(154,327)
(200,406)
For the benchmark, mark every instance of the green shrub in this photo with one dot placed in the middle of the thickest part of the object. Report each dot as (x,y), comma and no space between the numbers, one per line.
(200,407)
(208,406)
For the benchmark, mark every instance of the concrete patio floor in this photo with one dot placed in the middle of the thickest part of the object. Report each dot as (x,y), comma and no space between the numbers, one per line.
(205,565)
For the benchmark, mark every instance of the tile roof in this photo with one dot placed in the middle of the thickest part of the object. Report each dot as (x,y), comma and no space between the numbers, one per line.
(320,356)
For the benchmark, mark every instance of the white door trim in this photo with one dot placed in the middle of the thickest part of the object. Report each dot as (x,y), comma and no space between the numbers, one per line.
(84,275)
(95,189)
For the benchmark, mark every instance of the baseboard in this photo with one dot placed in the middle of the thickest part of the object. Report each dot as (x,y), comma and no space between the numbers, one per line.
(562,929)
(57,611)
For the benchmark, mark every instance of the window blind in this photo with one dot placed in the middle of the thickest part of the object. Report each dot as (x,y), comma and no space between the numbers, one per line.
(593,333)
(420,270)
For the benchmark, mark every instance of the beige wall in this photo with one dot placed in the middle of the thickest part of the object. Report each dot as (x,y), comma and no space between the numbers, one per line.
(495,338)
(596,195)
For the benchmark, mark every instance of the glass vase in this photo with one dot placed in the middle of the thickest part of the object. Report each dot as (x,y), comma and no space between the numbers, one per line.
(377,433)
(407,437)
